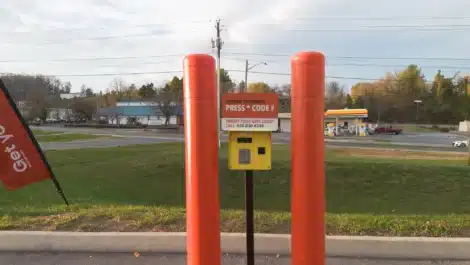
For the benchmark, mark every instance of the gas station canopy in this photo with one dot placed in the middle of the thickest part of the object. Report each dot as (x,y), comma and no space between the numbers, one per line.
(346,113)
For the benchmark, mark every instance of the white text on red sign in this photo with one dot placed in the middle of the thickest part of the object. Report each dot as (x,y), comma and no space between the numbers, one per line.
(249,124)
(254,107)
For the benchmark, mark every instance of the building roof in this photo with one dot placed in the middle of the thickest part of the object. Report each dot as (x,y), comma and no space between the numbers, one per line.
(137,111)
(346,112)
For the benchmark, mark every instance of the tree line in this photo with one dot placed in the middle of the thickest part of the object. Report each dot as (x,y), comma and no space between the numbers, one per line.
(407,97)
(404,97)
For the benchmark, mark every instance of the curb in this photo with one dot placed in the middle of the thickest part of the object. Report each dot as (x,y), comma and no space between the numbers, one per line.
(265,244)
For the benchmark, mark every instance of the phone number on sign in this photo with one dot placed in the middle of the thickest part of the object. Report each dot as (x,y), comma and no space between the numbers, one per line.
(249,125)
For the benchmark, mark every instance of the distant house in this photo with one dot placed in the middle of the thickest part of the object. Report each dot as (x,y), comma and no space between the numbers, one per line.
(148,113)
(464,126)
(58,114)
(135,103)
(72,95)
(23,107)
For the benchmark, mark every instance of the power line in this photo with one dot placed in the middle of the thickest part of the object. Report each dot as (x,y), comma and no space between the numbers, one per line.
(329,77)
(145,25)
(180,72)
(383,18)
(109,74)
(236,54)
(382,28)
(355,57)
(104,28)
(4,33)
(412,26)
(441,67)
(95,58)
(51,42)
(148,25)
(325,30)
(419,27)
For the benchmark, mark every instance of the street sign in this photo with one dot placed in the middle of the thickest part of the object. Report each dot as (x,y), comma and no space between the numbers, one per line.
(250,112)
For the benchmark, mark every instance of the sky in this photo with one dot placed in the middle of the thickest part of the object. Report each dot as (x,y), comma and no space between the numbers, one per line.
(92,42)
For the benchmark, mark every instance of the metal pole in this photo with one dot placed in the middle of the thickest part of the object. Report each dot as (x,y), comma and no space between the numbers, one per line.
(218,97)
(249,203)
(246,76)
(218,43)
(417,109)
(249,218)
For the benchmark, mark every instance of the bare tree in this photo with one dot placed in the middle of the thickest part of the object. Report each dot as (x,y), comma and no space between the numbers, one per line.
(130,90)
(82,108)
(167,103)
(119,87)
(334,96)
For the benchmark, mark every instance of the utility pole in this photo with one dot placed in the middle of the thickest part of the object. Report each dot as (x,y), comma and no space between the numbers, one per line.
(248,68)
(245,89)
(417,101)
(218,45)
(98,97)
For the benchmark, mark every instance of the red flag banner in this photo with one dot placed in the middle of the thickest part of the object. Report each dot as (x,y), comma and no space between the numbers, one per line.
(22,161)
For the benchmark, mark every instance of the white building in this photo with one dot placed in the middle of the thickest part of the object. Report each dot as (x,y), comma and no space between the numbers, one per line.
(345,118)
(58,114)
(284,122)
(72,95)
(144,112)
(135,103)
(23,107)
(464,126)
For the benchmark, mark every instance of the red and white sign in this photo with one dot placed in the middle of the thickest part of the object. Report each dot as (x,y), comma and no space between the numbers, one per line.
(21,159)
(250,112)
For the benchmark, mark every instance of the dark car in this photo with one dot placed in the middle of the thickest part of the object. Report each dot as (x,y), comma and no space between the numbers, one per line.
(390,129)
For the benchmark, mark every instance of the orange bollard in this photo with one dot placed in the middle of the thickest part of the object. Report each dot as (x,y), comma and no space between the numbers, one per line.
(307,156)
(201,160)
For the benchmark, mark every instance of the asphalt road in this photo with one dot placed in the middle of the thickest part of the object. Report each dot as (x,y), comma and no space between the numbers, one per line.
(421,138)
(160,259)
(432,141)
(133,140)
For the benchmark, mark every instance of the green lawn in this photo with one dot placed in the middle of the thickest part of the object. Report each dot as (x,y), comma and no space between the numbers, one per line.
(42,132)
(57,136)
(65,137)
(141,188)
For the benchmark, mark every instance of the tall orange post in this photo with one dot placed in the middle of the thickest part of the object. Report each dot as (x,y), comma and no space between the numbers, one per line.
(201,160)
(307,156)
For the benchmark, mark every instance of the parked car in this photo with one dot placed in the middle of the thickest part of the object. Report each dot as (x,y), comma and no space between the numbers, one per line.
(389,129)
(36,122)
(462,144)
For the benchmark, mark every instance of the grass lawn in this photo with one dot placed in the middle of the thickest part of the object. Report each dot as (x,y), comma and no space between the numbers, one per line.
(141,188)
(65,137)
(42,132)
(422,146)
(415,128)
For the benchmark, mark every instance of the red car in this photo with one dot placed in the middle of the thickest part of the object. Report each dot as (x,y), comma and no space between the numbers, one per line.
(383,129)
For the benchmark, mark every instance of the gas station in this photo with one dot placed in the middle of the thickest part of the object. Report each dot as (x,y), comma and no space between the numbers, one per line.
(250,118)
(336,122)
(346,121)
